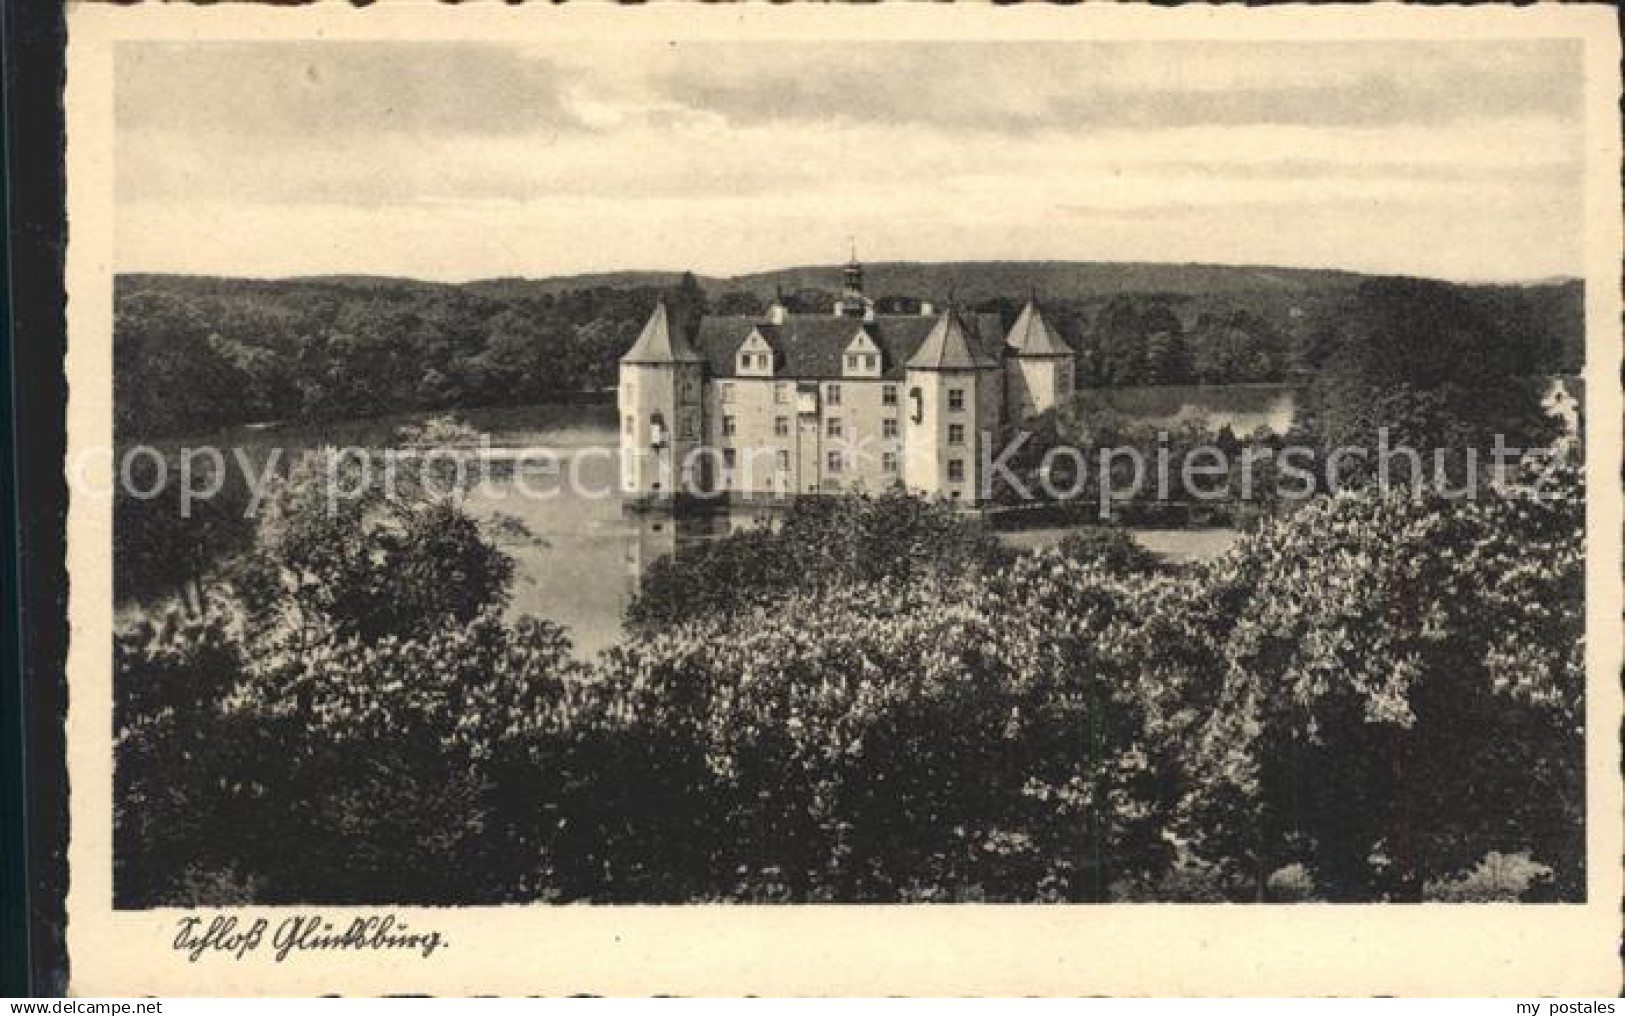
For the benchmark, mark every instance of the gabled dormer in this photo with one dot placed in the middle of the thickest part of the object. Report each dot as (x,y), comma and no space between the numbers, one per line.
(756,356)
(862,357)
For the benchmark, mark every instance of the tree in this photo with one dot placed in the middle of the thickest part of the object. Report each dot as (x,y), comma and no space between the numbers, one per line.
(897,304)
(1124,328)
(1168,359)
(687,304)
(399,768)
(1109,548)
(822,722)
(739,303)
(337,546)
(161,551)
(1398,689)
(810,300)
(819,543)
(178,758)
(1237,348)
(1420,360)
(363,687)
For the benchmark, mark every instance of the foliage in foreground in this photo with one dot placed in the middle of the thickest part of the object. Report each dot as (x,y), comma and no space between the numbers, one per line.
(1372,697)
(819,544)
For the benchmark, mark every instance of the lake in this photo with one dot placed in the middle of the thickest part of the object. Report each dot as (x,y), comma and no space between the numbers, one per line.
(1242,408)
(582,561)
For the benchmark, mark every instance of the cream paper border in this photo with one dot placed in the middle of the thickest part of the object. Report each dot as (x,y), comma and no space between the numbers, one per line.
(842,950)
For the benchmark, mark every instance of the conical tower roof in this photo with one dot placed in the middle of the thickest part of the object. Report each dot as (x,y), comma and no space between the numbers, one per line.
(659,343)
(950,347)
(1031,335)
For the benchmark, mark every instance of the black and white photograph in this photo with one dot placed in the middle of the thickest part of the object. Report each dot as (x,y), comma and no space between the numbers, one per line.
(553,470)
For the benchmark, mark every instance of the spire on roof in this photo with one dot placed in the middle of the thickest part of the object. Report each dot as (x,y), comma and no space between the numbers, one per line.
(1031,335)
(657,343)
(950,346)
(852,303)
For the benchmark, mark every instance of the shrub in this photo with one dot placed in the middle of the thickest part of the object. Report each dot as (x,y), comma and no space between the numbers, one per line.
(820,544)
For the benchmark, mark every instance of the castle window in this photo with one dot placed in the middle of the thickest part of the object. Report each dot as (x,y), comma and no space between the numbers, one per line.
(868,361)
(685,424)
(888,395)
(729,457)
(835,426)
(851,361)
(727,426)
(781,426)
(832,395)
(956,471)
(956,433)
(956,400)
(784,461)
(888,427)
(727,391)
(834,462)
(888,461)
(631,425)
(781,393)
(1063,382)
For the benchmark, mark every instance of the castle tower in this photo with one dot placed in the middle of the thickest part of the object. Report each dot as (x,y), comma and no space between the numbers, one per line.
(660,400)
(777,311)
(954,407)
(853,303)
(1039,366)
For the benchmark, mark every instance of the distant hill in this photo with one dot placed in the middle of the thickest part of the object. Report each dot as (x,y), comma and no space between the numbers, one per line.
(968,281)
(973,281)
(520,288)
(201,352)
(1288,297)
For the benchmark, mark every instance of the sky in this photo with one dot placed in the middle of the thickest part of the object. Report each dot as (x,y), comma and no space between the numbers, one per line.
(455,161)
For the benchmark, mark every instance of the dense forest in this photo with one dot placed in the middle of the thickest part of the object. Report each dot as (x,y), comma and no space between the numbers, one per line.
(333,348)
(1285,722)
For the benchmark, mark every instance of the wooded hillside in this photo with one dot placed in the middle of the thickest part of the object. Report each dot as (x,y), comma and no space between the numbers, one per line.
(194,353)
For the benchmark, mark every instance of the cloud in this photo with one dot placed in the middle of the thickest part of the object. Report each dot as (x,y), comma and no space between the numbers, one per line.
(457,160)
(1026,86)
(302,91)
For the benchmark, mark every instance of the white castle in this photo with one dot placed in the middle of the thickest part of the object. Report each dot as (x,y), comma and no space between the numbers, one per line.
(793,404)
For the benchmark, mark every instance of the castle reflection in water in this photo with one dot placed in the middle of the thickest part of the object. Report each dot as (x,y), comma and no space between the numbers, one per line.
(653,533)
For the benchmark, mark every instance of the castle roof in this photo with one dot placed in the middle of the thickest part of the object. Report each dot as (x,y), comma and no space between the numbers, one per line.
(1031,335)
(811,345)
(659,343)
(948,346)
